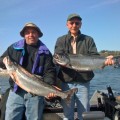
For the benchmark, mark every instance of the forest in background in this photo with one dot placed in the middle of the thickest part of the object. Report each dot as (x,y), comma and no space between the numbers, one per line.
(107,53)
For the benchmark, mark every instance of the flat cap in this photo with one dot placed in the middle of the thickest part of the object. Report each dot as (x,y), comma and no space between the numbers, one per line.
(74,15)
(32,25)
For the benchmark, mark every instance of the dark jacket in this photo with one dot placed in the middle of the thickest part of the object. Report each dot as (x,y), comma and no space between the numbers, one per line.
(30,53)
(85,45)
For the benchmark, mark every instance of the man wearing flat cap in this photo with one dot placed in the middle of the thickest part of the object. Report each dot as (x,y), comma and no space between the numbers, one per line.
(33,55)
(76,43)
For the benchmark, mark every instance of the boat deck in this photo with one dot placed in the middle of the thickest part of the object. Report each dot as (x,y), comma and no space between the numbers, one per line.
(101,108)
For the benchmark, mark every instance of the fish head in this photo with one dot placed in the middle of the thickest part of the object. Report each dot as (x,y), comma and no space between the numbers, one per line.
(9,64)
(61,59)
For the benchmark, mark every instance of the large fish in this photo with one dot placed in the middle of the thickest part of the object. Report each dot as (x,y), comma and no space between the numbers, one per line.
(82,62)
(33,84)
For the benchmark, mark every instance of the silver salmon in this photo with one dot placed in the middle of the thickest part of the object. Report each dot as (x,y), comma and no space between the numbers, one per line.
(33,84)
(82,62)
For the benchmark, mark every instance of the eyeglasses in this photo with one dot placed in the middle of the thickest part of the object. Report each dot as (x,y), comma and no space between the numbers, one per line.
(76,23)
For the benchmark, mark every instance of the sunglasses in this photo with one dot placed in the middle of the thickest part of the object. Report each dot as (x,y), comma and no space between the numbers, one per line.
(76,23)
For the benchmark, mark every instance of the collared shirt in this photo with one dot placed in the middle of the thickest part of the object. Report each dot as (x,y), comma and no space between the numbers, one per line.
(73,44)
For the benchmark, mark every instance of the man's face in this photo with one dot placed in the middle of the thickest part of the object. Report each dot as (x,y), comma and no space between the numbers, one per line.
(74,25)
(31,36)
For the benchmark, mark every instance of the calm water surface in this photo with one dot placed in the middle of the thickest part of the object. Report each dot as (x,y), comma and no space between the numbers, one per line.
(103,78)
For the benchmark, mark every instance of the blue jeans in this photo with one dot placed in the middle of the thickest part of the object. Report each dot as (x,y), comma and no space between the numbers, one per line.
(81,99)
(21,103)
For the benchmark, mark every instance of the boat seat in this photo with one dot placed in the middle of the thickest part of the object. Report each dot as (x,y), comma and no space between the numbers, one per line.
(93,115)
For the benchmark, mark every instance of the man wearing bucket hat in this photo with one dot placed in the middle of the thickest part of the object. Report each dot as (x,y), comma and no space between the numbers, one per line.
(76,43)
(31,25)
(32,54)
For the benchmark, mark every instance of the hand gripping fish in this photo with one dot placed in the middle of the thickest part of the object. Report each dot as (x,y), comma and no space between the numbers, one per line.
(81,62)
(32,83)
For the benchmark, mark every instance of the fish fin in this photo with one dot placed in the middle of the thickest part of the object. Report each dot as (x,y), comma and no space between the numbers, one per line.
(33,95)
(70,93)
(13,76)
(38,76)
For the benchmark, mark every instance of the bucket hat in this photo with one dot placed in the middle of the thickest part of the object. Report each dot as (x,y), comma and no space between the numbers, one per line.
(32,25)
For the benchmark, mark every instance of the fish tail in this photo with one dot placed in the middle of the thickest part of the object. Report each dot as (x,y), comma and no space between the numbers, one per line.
(117,61)
(70,93)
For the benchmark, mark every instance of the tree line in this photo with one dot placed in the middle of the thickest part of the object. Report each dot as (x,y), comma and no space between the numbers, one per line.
(107,53)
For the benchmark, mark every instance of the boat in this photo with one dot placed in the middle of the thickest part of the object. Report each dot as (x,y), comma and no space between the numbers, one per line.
(107,101)
(103,103)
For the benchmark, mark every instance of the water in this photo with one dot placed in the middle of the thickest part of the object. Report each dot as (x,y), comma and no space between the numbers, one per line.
(103,78)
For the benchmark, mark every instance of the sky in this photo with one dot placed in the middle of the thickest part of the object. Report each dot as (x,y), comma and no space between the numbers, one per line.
(100,20)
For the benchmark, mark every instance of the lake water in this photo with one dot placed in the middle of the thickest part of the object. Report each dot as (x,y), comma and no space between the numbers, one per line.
(103,78)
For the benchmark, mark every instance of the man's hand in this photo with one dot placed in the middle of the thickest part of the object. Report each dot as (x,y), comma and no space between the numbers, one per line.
(52,95)
(109,60)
